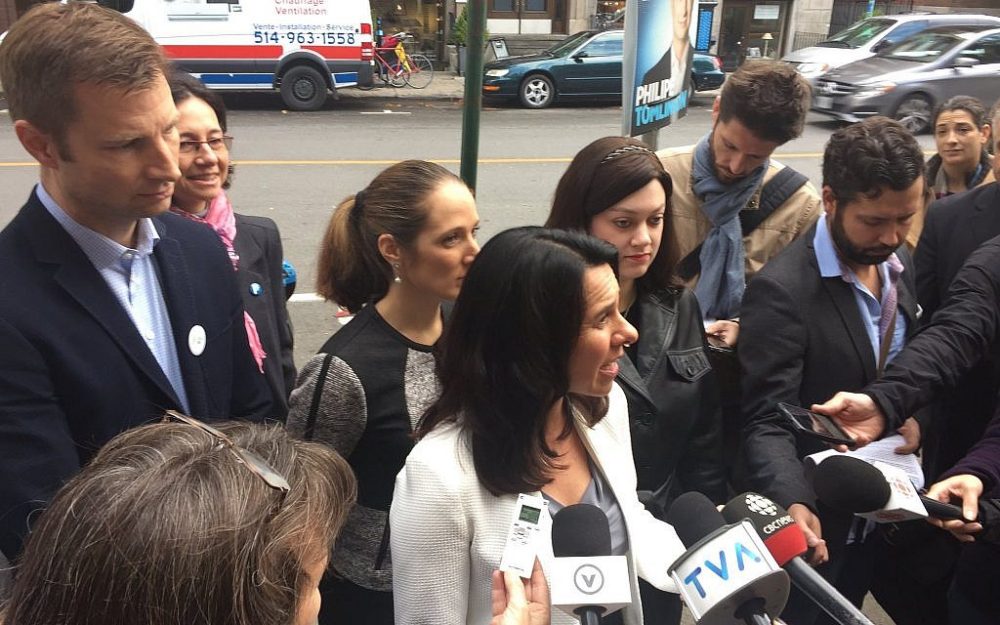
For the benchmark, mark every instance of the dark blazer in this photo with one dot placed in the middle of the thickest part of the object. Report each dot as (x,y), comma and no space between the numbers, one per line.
(673,403)
(953,228)
(802,339)
(74,371)
(258,244)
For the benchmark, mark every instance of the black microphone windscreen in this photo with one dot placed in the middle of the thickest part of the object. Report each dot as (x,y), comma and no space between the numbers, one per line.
(850,485)
(580,531)
(694,517)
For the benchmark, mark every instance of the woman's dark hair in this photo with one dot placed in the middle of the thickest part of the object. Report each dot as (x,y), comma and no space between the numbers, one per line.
(966,103)
(865,158)
(506,352)
(184,86)
(604,173)
(351,271)
(167,526)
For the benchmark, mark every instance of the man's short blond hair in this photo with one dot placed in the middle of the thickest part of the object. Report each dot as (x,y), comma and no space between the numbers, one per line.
(56,46)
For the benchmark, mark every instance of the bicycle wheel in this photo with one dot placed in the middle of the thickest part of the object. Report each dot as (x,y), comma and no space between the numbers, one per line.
(421,71)
(396,75)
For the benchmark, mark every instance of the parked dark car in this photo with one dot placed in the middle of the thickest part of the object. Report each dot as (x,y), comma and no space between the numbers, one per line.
(906,81)
(586,65)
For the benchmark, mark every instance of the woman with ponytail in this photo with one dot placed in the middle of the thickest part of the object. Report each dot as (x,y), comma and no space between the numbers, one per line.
(391,255)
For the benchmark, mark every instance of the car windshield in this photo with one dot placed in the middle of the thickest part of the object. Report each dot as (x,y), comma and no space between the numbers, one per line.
(569,44)
(922,48)
(859,34)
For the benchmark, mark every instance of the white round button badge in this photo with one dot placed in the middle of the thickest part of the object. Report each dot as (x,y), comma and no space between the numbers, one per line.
(196,340)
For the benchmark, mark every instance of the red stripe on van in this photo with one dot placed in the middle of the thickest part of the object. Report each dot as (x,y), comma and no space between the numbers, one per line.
(336,52)
(223,52)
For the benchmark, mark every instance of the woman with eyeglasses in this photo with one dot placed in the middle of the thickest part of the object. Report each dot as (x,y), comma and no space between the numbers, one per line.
(253,243)
(392,253)
(180,522)
(617,190)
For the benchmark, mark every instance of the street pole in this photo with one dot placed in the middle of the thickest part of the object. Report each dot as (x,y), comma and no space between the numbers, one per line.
(473,91)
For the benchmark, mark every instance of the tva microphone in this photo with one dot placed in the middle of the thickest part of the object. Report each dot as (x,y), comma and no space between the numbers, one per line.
(786,542)
(585,579)
(875,491)
(726,576)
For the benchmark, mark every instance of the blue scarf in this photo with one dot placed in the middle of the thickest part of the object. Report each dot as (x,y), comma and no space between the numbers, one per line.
(723,279)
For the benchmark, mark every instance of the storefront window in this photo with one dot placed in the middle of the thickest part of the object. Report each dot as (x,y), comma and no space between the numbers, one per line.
(536,5)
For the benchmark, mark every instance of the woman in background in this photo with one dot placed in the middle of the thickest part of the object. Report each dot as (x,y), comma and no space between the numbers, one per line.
(392,253)
(617,190)
(528,405)
(253,243)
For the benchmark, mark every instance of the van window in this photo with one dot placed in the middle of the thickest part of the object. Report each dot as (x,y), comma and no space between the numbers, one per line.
(923,47)
(859,34)
(903,31)
(986,50)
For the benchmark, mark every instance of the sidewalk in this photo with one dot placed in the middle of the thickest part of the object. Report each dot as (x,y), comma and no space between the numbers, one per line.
(445,86)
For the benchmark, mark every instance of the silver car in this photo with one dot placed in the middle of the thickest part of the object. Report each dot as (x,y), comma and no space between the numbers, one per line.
(865,38)
(908,80)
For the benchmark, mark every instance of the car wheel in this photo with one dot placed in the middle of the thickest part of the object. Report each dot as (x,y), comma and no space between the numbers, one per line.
(537,92)
(691,91)
(303,89)
(914,113)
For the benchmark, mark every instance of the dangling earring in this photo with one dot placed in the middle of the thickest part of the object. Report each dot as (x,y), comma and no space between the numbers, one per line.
(396,278)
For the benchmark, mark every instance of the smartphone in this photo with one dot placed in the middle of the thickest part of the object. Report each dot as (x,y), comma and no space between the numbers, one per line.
(815,425)
(716,343)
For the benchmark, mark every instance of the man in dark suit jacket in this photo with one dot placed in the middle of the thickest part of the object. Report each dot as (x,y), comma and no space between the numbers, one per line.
(820,317)
(113,311)
(954,227)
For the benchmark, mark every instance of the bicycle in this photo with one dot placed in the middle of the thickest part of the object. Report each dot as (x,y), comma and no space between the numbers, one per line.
(415,70)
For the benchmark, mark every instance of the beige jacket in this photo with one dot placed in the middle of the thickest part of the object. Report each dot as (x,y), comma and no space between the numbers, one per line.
(787,223)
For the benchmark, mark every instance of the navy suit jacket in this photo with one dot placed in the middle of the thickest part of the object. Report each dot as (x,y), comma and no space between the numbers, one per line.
(74,371)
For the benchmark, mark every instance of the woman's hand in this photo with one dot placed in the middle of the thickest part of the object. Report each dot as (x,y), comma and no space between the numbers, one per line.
(967,488)
(515,603)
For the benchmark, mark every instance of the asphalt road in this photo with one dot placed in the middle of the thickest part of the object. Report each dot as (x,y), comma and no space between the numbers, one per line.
(295,168)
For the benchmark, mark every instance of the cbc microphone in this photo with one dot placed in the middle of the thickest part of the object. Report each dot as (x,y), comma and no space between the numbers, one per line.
(784,539)
(586,580)
(726,576)
(875,491)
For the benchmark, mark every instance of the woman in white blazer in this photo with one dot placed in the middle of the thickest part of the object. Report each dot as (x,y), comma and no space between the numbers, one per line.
(529,405)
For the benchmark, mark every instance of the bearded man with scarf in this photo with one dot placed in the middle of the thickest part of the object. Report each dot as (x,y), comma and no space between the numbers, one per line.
(734,207)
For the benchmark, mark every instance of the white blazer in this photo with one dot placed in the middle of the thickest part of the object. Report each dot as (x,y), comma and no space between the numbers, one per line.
(448,532)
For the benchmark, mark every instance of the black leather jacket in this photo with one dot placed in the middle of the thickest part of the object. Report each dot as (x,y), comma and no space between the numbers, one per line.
(673,402)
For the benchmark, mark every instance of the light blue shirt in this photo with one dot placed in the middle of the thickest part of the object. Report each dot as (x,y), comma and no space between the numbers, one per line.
(869,306)
(131,276)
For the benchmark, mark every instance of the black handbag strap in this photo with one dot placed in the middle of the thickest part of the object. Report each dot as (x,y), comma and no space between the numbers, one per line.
(776,192)
(317,396)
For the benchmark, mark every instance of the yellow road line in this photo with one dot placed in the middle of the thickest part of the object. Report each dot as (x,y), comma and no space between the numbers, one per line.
(443,161)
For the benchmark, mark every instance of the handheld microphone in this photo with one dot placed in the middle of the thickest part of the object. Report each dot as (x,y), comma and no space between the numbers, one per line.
(875,491)
(784,539)
(726,576)
(586,580)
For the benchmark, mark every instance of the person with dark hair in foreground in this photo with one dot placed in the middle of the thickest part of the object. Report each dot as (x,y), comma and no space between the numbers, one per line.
(734,207)
(829,312)
(529,405)
(616,189)
(253,243)
(114,308)
(392,254)
(180,522)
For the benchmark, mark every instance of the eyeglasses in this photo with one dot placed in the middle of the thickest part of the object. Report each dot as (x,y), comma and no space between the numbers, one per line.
(257,465)
(217,144)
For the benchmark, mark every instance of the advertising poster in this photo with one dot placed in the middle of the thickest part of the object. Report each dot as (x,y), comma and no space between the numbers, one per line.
(659,45)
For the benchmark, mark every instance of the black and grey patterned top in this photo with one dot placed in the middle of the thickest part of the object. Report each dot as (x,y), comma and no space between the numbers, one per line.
(377,386)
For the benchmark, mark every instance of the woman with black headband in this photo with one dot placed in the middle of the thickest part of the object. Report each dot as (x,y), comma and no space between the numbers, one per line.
(616,189)
(391,255)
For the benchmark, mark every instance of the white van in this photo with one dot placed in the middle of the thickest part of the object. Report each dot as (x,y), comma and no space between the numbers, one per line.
(305,48)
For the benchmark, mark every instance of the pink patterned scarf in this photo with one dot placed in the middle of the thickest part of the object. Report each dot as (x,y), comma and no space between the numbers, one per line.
(220,218)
